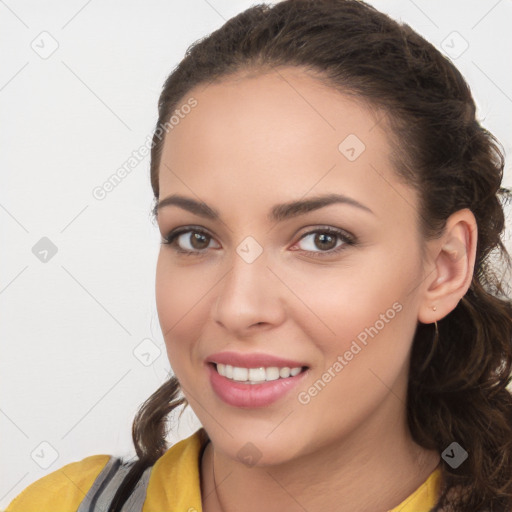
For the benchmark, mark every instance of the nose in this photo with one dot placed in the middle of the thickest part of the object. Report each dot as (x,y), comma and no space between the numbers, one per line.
(250,297)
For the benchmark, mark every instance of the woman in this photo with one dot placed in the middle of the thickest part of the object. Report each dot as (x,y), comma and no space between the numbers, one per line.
(327,203)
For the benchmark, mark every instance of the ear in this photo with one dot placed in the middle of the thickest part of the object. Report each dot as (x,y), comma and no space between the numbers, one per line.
(451,261)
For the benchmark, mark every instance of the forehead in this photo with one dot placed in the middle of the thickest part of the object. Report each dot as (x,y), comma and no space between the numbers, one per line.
(279,136)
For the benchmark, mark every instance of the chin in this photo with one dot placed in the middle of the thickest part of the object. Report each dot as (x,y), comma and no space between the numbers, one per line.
(255,447)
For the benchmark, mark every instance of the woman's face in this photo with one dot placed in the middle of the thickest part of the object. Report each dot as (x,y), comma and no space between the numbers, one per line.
(333,289)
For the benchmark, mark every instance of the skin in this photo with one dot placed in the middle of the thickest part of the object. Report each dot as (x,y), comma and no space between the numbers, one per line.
(250,143)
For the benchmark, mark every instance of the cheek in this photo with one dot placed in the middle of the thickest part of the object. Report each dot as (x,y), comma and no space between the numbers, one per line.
(177,290)
(180,298)
(368,352)
(362,312)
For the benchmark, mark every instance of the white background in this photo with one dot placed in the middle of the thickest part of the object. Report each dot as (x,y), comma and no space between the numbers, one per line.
(69,377)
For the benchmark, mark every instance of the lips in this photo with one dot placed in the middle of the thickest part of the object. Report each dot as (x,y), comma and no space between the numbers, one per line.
(240,381)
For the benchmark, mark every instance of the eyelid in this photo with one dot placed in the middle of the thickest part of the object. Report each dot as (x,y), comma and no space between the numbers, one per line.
(319,228)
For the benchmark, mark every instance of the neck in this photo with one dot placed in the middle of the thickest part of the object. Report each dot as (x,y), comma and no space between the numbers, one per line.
(374,468)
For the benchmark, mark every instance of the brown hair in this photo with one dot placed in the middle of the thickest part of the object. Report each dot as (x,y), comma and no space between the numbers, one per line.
(457,385)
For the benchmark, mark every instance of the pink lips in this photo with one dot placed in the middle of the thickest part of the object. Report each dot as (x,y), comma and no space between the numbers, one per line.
(240,394)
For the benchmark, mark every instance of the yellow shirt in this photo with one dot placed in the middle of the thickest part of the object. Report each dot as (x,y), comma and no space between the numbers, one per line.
(174,484)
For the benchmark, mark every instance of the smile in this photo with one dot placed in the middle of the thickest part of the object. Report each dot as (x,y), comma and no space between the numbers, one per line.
(255,387)
(256,375)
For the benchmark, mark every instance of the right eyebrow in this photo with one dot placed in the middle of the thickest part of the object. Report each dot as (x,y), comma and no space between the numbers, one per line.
(191,205)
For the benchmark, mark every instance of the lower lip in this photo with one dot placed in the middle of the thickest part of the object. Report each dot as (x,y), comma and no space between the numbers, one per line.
(239,394)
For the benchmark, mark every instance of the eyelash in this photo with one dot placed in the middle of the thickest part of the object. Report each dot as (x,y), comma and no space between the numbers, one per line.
(347,239)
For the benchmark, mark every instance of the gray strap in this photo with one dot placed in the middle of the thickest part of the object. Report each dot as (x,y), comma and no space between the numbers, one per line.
(100,483)
(106,484)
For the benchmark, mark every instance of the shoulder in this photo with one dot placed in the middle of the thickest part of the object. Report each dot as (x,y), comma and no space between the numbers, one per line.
(62,490)
(175,481)
(65,490)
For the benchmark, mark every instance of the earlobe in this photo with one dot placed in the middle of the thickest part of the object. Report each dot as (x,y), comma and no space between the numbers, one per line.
(453,256)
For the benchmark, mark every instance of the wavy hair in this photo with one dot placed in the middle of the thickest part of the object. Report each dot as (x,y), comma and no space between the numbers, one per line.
(457,388)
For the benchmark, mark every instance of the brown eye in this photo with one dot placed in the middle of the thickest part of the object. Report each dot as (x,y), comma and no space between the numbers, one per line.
(189,241)
(197,241)
(323,241)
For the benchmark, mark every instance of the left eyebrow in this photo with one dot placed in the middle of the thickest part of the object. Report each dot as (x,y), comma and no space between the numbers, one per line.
(278,212)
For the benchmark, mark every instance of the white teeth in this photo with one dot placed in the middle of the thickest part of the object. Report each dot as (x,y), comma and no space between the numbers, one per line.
(256,375)
(284,372)
(272,373)
(240,373)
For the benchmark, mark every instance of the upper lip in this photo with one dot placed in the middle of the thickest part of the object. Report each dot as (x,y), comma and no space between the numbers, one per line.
(253,360)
